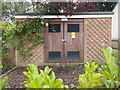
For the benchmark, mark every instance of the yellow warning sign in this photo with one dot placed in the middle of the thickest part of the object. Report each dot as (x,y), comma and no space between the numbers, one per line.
(73,34)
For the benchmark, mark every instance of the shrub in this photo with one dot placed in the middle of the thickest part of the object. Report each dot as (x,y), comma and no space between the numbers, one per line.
(90,79)
(44,79)
(109,71)
(3,82)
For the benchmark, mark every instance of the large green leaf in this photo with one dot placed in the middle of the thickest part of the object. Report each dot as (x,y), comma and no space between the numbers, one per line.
(47,70)
(58,83)
(3,82)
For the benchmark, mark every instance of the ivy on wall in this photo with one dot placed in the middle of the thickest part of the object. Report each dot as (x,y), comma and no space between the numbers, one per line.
(24,35)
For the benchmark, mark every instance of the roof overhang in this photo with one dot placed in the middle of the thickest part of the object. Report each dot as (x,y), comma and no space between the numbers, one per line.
(77,15)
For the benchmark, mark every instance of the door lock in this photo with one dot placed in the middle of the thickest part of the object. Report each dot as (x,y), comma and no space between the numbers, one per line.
(63,40)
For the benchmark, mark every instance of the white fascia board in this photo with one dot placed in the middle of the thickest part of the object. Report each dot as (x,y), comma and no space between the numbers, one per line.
(86,16)
(62,16)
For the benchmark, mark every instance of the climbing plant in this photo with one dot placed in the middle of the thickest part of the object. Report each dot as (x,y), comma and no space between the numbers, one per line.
(24,35)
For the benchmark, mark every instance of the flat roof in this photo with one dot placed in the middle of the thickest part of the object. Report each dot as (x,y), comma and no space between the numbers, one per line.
(61,15)
(80,13)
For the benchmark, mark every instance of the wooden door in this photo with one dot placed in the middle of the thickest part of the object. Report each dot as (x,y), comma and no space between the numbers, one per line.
(53,42)
(73,34)
(63,42)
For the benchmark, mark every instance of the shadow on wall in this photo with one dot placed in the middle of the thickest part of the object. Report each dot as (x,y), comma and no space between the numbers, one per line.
(115,44)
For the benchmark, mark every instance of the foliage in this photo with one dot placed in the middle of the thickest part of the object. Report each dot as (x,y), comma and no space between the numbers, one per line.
(11,8)
(6,50)
(67,7)
(44,79)
(71,7)
(1,67)
(3,82)
(24,33)
(108,74)
(109,71)
(90,79)
(5,28)
(105,6)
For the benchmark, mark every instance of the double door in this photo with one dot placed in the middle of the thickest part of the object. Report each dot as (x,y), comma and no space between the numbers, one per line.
(64,42)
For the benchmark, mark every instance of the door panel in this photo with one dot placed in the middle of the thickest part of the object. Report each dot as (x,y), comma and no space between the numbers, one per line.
(73,45)
(53,42)
(63,42)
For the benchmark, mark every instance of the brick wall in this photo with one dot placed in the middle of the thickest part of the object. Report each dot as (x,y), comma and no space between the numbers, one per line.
(96,32)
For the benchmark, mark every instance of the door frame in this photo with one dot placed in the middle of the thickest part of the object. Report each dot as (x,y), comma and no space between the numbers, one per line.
(55,21)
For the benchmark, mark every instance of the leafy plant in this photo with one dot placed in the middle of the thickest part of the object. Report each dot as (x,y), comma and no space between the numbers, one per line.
(90,79)
(109,71)
(3,82)
(44,79)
